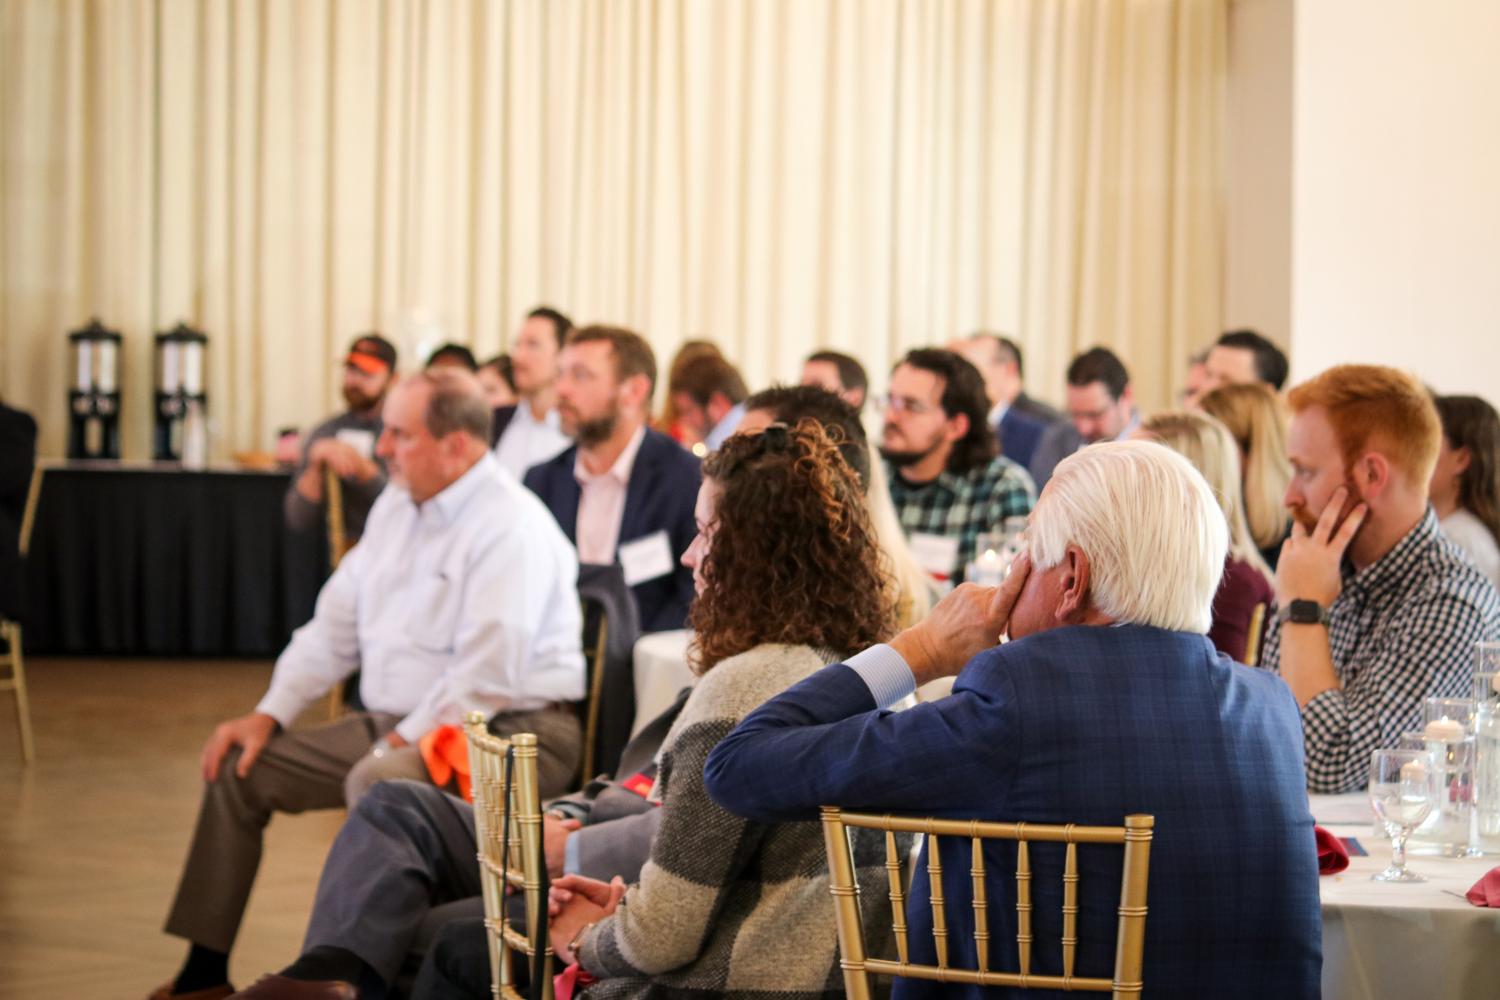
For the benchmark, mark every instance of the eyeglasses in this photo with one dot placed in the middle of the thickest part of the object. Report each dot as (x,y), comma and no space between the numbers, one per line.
(904,404)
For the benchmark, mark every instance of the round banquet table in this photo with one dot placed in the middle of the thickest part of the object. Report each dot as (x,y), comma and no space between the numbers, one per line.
(1403,941)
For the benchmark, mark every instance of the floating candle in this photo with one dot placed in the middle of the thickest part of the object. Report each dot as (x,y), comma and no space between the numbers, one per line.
(1445,730)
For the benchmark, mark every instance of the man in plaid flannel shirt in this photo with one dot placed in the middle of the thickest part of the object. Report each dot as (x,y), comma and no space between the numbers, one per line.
(1377,610)
(947,482)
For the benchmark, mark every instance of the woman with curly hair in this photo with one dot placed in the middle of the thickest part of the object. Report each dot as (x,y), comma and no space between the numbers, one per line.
(788,578)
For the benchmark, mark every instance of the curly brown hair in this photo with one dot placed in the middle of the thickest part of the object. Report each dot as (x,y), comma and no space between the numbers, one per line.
(794,558)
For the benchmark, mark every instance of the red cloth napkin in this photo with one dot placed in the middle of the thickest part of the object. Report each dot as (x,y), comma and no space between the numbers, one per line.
(445,751)
(570,979)
(1333,856)
(1486,891)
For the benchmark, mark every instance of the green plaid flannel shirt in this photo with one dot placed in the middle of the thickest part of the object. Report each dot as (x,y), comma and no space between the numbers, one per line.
(962,506)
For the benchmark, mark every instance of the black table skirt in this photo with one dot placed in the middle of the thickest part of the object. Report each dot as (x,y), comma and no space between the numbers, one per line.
(156,561)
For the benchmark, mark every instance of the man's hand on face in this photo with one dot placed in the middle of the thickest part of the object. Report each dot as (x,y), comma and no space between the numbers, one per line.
(962,625)
(1309,566)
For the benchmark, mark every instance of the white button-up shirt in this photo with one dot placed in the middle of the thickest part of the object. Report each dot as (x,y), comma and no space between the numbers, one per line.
(528,441)
(466,602)
(601,504)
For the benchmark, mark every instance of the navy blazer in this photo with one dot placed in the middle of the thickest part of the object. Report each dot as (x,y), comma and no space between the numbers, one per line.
(1019,434)
(661,495)
(1083,724)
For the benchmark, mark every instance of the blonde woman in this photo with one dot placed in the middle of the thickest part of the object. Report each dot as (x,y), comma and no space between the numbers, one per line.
(1257,420)
(1206,443)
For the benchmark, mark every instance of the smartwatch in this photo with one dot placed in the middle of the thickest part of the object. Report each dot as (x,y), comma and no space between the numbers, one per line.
(1300,612)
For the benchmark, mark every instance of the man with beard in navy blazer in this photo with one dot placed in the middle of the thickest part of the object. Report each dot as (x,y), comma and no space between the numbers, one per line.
(623,493)
(1108,701)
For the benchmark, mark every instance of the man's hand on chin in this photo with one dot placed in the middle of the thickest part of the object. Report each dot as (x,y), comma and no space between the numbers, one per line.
(964,624)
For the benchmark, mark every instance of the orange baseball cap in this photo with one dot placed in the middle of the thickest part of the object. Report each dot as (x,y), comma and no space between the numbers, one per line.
(372,354)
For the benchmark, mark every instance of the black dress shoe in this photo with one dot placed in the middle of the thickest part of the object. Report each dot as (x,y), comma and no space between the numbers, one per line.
(282,988)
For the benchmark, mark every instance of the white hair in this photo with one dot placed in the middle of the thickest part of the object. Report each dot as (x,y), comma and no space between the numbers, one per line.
(1154,535)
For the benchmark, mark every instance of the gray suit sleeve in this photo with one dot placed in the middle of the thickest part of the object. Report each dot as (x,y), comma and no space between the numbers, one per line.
(618,847)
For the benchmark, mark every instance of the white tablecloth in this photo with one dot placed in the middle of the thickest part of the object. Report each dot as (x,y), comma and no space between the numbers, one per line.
(661,671)
(1403,941)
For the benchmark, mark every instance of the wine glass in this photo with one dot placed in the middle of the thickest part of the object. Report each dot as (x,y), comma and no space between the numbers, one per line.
(1403,791)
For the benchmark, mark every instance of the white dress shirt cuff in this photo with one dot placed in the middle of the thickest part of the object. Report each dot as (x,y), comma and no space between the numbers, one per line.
(884,672)
(570,856)
(283,706)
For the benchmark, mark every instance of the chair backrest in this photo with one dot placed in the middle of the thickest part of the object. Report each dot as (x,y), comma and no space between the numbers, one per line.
(28,515)
(1252,635)
(611,626)
(508,830)
(338,533)
(1130,936)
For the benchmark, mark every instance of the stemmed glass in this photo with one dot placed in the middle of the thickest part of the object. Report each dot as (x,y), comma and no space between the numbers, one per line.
(1403,791)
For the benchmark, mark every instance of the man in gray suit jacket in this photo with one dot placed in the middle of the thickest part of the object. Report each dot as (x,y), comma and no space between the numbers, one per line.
(403,864)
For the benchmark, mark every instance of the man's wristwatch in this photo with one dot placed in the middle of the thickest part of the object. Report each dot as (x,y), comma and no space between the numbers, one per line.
(1299,612)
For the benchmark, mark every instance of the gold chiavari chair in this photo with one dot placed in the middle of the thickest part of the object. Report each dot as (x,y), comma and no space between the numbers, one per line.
(1252,636)
(594,670)
(338,546)
(13,677)
(508,829)
(1130,937)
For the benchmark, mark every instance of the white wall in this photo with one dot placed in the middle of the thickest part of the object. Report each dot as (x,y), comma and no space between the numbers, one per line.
(1396,189)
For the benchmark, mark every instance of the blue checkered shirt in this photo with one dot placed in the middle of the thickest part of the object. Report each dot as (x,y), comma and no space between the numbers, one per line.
(961,505)
(1402,630)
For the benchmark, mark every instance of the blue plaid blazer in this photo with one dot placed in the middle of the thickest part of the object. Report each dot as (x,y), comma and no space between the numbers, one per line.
(1085,725)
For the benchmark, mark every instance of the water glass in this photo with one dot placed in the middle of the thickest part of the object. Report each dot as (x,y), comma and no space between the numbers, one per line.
(1403,792)
(1487,747)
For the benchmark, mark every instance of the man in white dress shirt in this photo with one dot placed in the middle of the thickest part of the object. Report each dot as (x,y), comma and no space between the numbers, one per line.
(530,432)
(461,596)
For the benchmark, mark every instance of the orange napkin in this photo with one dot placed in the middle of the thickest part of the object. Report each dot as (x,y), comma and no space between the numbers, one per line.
(571,980)
(1333,856)
(1486,891)
(445,751)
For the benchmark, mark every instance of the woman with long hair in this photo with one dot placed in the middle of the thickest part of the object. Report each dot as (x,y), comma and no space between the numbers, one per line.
(1206,443)
(1257,419)
(1465,487)
(788,576)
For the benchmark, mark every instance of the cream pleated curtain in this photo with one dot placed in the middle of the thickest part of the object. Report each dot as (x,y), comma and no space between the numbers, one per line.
(777,175)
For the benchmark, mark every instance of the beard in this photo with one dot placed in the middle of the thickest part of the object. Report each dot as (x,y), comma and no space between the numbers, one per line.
(591,432)
(359,400)
(1309,519)
(903,458)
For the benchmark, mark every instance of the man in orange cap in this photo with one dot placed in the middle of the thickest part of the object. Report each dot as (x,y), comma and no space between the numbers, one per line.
(345,443)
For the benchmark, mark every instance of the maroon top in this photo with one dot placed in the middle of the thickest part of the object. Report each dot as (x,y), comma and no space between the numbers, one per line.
(1241,589)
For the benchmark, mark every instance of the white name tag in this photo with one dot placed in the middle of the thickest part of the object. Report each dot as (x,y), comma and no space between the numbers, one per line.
(646,558)
(937,554)
(363,442)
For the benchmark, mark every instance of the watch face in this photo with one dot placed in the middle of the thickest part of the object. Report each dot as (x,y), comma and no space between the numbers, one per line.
(1305,612)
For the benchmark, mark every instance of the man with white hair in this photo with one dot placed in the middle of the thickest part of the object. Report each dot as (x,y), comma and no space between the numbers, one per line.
(1109,700)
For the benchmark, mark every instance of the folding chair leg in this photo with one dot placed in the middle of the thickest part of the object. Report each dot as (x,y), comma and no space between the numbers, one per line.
(18,684)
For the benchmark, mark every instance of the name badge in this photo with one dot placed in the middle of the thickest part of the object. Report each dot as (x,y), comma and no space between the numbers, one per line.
(937,554)
(363,442)
(646,558)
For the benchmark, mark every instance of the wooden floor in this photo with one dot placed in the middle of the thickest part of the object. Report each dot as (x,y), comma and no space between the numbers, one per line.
(93,834)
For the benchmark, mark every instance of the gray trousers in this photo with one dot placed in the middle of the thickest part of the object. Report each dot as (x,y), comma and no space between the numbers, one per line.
(313,769)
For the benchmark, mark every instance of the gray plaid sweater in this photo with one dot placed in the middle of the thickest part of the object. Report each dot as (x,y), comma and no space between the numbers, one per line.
(726,907)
